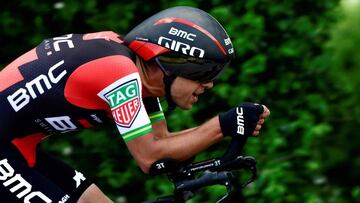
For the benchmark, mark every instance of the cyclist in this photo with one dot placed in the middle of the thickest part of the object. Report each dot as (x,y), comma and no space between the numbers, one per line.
(79,81)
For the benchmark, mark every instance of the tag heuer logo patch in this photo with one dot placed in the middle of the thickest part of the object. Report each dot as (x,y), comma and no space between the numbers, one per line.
(124,103)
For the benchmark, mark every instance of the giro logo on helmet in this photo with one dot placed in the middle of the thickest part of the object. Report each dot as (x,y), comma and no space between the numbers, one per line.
(182,47)
(182,34)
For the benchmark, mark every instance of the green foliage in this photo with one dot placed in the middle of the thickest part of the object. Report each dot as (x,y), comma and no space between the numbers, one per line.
(300,58)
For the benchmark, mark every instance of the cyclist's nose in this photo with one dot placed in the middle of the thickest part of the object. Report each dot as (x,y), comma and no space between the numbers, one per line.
(208,85)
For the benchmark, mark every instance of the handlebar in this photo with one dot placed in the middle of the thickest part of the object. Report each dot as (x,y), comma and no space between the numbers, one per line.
(217,171)
(208,179)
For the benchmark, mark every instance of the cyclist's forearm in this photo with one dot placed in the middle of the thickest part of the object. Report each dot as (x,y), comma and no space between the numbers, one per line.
(160,130)
(185,144)
(181,146)
(182,132)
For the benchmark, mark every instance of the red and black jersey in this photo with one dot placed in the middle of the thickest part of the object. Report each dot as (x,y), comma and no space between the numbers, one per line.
(68,83)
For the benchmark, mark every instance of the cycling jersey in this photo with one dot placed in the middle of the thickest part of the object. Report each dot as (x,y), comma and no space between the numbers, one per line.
(50,180)
(69,83)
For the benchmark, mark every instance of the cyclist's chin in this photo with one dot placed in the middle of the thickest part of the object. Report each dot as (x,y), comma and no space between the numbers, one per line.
(184,102)
(185,106)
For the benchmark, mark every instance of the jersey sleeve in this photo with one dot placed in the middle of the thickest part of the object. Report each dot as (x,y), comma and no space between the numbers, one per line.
(154,109)
(127,108)
(107,79)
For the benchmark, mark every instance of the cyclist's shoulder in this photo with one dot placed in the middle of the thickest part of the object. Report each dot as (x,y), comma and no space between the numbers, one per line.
(104,40)
(88,45)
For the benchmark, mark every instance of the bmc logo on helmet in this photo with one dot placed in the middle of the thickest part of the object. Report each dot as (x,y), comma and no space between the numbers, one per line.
(182,34)
(180,46)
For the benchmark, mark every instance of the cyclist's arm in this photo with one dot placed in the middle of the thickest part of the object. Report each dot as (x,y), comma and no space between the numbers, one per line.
(158,121)
(122,94)
(179,145)
(160,130)
(150,147)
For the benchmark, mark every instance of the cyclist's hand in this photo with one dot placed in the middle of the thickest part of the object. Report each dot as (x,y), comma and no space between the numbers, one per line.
(261,121)
(244,120)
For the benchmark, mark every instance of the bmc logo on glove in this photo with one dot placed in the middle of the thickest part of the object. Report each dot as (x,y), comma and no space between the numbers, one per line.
(240,121)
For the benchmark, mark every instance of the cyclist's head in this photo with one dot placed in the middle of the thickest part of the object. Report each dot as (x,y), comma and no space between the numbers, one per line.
(184,41)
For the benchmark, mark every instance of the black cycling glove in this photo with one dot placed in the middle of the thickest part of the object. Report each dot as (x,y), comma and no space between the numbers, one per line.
(241,120)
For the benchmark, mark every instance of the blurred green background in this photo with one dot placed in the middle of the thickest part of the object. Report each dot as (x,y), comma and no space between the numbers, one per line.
(301,58)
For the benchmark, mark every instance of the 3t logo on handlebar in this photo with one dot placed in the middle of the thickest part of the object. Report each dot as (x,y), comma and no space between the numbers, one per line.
(160,166)
(240,120)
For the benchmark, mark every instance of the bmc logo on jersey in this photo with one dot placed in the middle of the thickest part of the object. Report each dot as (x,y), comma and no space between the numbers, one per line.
(125,103)
(18,186)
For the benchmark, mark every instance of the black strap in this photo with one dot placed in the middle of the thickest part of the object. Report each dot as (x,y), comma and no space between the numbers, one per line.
(168,80)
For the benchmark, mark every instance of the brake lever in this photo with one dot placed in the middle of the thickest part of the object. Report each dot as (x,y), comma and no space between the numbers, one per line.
(229,189)
(251,165)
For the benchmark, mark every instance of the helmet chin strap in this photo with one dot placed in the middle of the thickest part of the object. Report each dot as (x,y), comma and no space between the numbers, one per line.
(168,80)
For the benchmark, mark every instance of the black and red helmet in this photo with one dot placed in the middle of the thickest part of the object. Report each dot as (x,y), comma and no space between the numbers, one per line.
(184,41)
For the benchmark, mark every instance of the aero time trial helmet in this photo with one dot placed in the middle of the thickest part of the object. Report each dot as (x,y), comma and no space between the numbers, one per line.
(184,41)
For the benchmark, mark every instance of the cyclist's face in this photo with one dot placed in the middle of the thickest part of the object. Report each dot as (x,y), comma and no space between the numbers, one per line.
(186,92)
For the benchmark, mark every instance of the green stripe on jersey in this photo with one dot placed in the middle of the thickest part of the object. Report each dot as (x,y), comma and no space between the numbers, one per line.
(137,132)
(156,116)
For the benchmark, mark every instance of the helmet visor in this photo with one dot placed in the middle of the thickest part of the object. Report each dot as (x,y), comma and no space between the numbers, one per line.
(201,70)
